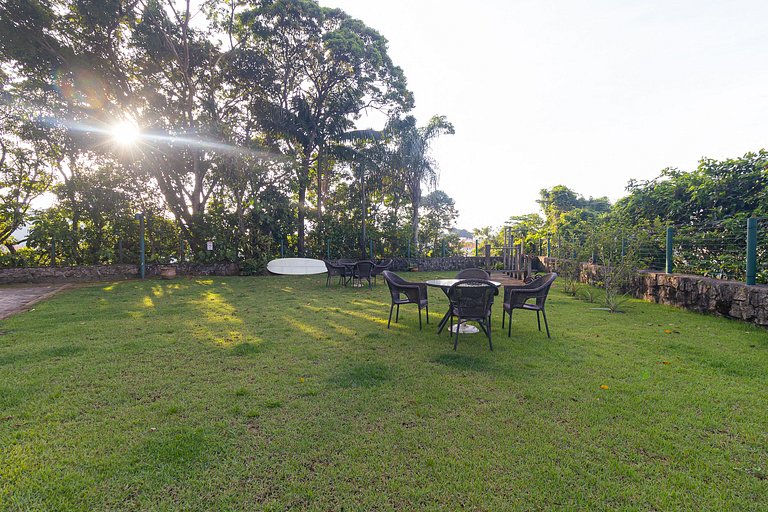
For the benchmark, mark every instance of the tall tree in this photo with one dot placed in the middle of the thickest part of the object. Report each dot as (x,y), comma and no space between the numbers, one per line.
(318,69)
(411,161)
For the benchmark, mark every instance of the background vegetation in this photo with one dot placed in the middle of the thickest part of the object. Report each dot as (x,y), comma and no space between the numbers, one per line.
(246,112)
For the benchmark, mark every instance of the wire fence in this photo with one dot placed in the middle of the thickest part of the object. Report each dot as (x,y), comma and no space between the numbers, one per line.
(718,249)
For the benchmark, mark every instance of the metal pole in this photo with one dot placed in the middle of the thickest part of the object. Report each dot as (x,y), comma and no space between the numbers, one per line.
(751,250)
(370,243)
(282,246)
(142,260)
(475,247)
(548,246)
(53,252)
(670,239)
(327,249)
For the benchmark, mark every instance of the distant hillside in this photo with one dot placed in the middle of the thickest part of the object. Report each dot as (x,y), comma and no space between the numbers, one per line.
(463,233)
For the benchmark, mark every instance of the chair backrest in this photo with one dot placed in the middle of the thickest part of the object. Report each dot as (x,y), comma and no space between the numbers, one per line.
(363,268)
(537,289)
(547,280)
(393,283)
(332,268)
(473,273)
(472,298)
(381,267)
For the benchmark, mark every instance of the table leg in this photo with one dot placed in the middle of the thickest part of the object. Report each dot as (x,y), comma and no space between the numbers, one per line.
(444,321)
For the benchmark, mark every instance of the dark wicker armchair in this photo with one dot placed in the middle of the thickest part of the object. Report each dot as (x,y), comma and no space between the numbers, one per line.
(471,300)
(336,270)
(404,292)
(363,270)
(473,273)
(517,297)
(381,267)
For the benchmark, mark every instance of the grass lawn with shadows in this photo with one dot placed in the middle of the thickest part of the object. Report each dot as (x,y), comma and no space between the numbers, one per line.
(278,393)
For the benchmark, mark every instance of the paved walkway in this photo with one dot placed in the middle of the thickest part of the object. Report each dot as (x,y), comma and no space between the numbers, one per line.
(16,298)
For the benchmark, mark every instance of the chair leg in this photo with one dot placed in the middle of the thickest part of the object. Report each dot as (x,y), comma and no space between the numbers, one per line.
(397,315)
(456,340)
(490,342)
(390,315)
(545,323)
(538,319)
(419,317)
(427,308)
(503,314)
(509,327)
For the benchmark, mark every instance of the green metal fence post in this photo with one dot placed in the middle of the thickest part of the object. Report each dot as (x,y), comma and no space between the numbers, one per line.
(669,267)
(549,239)
(142,260)
(751,250)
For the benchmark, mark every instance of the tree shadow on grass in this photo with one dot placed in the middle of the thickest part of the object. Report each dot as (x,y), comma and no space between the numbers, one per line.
(365,375)
(41,355)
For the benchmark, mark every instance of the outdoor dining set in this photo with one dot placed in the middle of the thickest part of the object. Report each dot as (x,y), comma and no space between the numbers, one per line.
(471,296)
(355,271)
(470,293)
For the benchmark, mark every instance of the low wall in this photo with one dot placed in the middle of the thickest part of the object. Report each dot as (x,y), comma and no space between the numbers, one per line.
(732,299)
(108,272)
(443,264)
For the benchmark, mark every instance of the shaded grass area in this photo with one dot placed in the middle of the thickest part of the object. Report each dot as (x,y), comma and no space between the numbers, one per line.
(276,393)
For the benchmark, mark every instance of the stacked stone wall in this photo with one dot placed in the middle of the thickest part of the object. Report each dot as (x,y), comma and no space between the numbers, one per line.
(108,272)
(732,299)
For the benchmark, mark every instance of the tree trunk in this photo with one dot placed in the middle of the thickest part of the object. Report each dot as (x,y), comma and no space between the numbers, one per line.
(416,203)
(320,191)
(302,197)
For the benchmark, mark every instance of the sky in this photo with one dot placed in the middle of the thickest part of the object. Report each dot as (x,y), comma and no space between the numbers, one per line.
(583,93)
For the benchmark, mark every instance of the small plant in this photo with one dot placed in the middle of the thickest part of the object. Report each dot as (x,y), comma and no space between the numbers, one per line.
(568,272)
(586,293)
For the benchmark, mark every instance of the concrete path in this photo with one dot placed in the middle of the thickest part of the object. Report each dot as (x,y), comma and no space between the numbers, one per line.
(16,298)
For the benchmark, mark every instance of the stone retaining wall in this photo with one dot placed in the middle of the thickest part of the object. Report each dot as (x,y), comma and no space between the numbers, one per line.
(122,272)
(443,264)
(732,299)
(108,272)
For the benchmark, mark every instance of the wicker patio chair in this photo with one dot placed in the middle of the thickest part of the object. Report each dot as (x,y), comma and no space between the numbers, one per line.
(381,267)
(404,292)
(473,273)
(517,297)
(471,300)
(363,270)
(336,270)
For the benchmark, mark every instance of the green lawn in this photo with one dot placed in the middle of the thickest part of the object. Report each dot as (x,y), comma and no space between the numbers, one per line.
(277,393)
